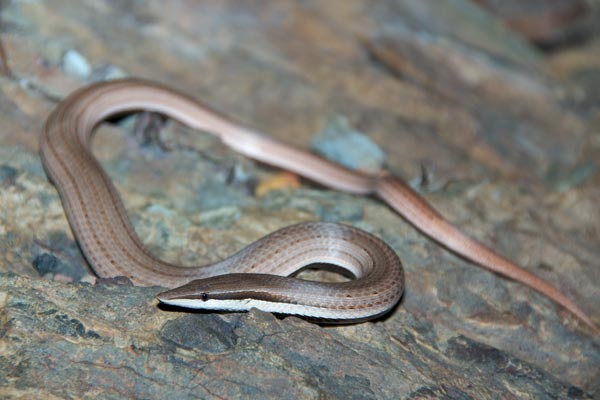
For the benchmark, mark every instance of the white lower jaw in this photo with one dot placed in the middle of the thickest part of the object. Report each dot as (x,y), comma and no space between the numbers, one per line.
(267,306)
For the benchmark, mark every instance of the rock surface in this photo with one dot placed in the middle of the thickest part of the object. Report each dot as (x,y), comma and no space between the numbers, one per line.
(500,137)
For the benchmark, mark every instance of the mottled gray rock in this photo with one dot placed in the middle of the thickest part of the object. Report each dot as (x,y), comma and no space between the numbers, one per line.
(130,348)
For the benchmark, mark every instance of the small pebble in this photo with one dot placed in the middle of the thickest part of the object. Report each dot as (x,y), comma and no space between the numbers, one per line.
(63,278)
(111,72)
(45,263)
(107,72)
(283,180)
(75,65)
(340,143)
(8,175)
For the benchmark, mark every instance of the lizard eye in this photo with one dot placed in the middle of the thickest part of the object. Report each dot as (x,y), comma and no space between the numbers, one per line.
(204,296)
